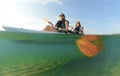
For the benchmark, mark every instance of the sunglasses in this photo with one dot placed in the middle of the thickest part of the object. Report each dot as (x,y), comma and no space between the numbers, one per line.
(61,15)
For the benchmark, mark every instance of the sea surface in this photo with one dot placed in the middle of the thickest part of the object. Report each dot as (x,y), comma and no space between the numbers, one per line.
(35,54)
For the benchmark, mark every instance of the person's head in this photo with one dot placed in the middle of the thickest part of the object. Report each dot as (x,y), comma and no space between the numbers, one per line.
(78,24)
(62,16)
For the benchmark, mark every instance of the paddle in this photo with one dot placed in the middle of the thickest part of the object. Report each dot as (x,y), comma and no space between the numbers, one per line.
(90,45)
(46,20)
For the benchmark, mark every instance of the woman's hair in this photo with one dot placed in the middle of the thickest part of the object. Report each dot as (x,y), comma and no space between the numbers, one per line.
(78,22)
(62,14)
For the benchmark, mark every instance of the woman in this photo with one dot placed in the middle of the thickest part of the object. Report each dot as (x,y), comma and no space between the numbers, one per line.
(62,24)
(78,29)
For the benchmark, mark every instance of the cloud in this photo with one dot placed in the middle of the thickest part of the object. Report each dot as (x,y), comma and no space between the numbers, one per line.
(43,2)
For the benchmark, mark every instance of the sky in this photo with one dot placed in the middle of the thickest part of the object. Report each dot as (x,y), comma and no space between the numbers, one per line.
(96,16)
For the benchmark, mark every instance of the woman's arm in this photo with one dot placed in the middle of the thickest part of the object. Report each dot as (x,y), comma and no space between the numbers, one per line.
(66,25)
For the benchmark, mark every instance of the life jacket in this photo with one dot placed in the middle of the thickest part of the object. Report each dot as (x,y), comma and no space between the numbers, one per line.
(61,24)
(78,29)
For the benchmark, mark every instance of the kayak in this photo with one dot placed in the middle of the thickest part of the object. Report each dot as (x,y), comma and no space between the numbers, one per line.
(36,53)
(14,29)
(59,38)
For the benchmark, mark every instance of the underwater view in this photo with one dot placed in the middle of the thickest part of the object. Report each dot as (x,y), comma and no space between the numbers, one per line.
(59,37)
(35,54)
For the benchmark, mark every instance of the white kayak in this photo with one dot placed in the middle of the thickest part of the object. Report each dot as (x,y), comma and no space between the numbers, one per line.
(14,29)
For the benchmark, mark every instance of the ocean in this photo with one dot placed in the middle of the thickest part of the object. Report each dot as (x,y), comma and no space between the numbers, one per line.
(41,54)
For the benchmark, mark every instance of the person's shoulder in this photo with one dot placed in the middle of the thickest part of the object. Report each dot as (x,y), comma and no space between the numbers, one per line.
(67,21)
(58,22)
